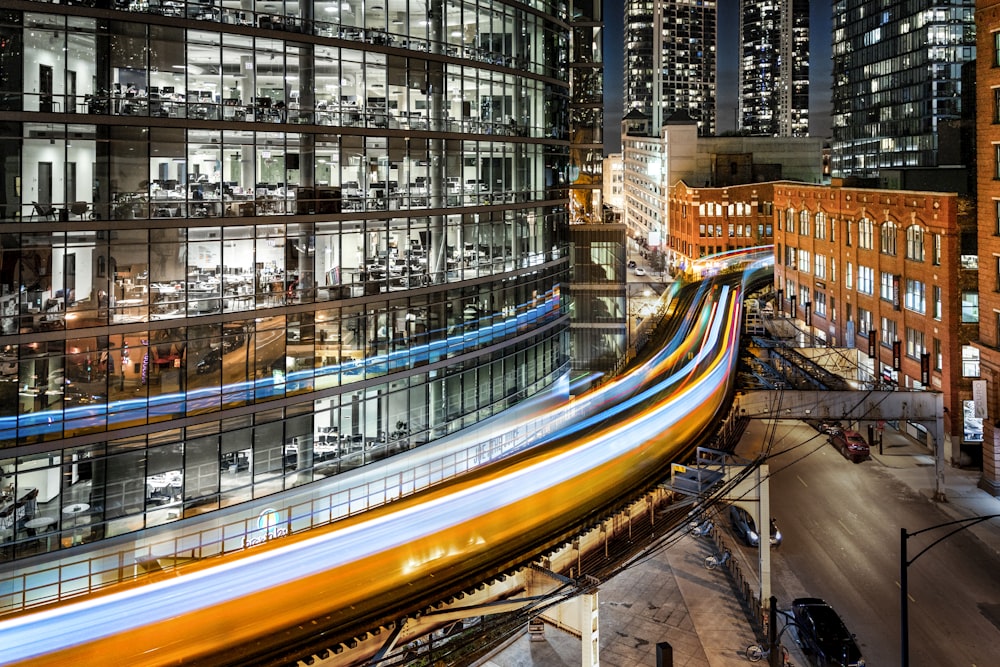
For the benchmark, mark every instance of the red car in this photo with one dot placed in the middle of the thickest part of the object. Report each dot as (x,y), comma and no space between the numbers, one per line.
(851,445)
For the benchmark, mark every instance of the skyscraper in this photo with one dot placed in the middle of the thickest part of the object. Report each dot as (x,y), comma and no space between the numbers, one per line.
(248,247)
(774,68)
(670,60)
(897,76)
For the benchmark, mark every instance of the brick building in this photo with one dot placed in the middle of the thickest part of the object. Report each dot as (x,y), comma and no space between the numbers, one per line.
(988,194)
(857,263)
(710,220)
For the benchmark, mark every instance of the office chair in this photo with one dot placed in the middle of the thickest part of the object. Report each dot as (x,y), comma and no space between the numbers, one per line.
(47,212)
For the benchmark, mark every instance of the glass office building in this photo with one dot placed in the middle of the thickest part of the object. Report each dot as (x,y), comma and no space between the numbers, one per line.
(247,246)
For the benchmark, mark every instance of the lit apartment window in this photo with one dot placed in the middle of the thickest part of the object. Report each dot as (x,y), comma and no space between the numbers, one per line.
(866,280)
(970,307)
(864,321)
(888,333)
(970,362)
(888,238)
(819,223)
(866,234)
(914,343)
(885,286)
(915,299)
(819,303)
(915,243)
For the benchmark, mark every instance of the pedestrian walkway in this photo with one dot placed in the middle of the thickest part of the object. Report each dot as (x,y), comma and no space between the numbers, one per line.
(672,598)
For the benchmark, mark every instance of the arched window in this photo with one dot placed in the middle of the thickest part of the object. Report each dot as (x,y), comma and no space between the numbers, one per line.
(915,243)
(804,223)
(866,233)
(887,238)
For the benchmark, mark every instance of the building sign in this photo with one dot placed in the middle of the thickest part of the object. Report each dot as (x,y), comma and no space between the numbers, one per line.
(979,398)
(269,527)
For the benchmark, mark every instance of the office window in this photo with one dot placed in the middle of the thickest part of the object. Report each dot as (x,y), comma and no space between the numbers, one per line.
(937,358)
(804,260)
(820,267)
(819,302)
(915,243)
(996,105)
(914,343)
(848,230)
(936,250)
(833,230)
(790,220)
(888,333)
(996,217)
(849,275)
(970,307)
(970,362)
(915,298)
(866,234)
(803,223)
(864,321)
(866,280)
(819,225)
(996,160)
(936,299)
(887,236)
(996,49)
(885,286)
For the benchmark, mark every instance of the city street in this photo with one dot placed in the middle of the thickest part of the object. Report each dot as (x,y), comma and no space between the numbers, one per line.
(841,524)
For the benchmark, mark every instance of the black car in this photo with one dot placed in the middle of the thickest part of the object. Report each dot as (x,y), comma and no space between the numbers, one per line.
(746,528)
(822,634)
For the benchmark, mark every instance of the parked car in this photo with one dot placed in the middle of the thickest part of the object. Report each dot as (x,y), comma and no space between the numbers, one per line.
(851,445)
(829,426)
(822,634)
(746,529)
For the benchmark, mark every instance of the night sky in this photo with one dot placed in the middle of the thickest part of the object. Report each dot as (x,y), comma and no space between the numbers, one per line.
(728,55)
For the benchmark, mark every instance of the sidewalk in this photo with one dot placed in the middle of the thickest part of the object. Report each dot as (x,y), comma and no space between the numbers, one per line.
(673,598)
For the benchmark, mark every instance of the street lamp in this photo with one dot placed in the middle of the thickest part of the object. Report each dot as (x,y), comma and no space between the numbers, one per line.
(904,611)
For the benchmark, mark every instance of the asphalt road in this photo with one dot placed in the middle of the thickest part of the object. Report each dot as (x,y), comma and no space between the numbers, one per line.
(841,526)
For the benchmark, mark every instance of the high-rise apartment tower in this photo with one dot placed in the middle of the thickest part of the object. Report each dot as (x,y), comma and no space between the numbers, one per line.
(774,68)
(670,60)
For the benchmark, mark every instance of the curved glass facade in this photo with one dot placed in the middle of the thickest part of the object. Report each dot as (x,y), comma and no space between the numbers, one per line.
(246,248)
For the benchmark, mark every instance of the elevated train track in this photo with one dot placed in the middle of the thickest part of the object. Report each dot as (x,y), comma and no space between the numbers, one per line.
(364,572)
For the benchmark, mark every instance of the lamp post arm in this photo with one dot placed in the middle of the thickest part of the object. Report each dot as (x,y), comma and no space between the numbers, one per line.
(904,564)
(965,523)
